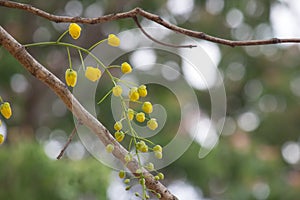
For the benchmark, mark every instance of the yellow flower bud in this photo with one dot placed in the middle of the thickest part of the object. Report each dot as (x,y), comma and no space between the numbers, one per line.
(158,155)
(121,174)
(118,126)
(74,30)
(157,148)
(147,107)
(119,135)
(140,117)
(71,77)
(130,114)
(141,146)
(6,110)
(150,166)
(1,139)
(113,40)
(128,157)
(152,124)
(92,73)
(126,68)
(109,148)
(133,94)
(142,91)
(117,90)
(161,176)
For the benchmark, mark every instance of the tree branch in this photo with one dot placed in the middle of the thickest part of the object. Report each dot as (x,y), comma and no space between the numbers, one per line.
(82,115)
(155,18)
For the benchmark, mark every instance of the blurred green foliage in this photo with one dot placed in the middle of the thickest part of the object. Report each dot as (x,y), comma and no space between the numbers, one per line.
(27,173)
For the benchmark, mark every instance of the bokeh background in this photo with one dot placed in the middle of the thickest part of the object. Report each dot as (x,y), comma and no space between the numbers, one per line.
(258,153)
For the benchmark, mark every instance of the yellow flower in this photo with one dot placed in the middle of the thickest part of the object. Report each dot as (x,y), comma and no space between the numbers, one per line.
(6,110)
(128,157)
(158,155)
(147,107)
(133,94)
(113,40)
(119,135)
(1,139)
(71,77)
(92,73)
(152,124)
(109,148)
(122,174)
(157,148)
(150,166)
(141,146)
(74,30)
(117,90)
(140,117)
(118,126)
(126,68)
(130,114)
(142,91)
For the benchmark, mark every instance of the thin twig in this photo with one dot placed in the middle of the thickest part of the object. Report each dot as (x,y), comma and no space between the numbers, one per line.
(157,41)
(155,18)
(68,141)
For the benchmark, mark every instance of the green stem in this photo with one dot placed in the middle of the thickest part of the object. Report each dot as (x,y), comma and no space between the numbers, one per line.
(1,100)
(82,62)
(96,44)
(62,35)
(72,46)
(108,93)
(69,58)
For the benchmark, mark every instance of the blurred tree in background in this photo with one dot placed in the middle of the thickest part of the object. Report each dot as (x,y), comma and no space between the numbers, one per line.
(258,153)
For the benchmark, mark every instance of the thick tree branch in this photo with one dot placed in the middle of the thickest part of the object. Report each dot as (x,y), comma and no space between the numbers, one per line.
(155,18)
(61,90)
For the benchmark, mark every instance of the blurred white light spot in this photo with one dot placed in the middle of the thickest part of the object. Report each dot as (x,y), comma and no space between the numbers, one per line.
(3,131)
(234,18)
(41,34)
(74,8)
(58,135)
(179,7)
(199,65)
(295,86)
(214,6)
(143,59)
(129,40)
(235,71)
(170,71)
(94,10)
(18,83)
(261,191)
(75,151)
(282,15)
(248,121)
(229,126)
(58,108)
(291,152)
(184,190)
(243,32)
(268,103)
(253,89)
(52,148)
(207,135)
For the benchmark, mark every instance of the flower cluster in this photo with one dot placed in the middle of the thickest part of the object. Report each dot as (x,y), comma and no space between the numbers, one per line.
(140,114)
(6,112)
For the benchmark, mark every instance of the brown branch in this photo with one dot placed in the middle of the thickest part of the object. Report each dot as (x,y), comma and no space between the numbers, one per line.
(68,142)
(157,41)
(155,18)
(61,90)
